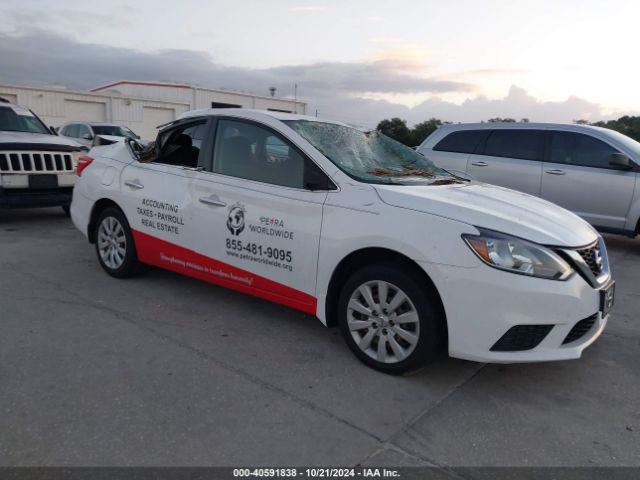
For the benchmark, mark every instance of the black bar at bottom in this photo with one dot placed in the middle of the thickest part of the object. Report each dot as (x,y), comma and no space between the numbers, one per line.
(406,473)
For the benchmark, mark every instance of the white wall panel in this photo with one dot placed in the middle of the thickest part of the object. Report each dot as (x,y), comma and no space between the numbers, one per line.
(85,110)
(126,104)
(154,116)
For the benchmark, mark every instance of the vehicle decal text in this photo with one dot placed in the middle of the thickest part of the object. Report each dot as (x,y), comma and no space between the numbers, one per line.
(161,216)
(273,227)
(254,252)
(155,251)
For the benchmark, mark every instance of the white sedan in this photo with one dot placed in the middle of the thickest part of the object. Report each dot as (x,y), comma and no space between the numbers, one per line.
(355,229)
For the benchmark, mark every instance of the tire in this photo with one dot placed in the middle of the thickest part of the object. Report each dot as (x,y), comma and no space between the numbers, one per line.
(114,244)
(419,335)
(67,210)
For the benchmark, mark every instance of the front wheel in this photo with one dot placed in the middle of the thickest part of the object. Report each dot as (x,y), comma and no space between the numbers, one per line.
(389,319)
(114,244)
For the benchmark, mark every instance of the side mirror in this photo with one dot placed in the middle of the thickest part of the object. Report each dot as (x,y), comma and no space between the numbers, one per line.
(620,160)
(87,136)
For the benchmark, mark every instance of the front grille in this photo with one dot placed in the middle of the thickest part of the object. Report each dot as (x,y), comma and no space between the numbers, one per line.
(36,162)
(521,337)
(591,256)
(580,329)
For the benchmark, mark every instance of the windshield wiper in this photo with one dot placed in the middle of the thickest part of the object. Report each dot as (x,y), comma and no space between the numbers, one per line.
(405,172)
(447,181)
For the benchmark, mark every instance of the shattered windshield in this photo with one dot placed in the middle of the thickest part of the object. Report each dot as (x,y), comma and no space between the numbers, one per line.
(18,119)
(370,156)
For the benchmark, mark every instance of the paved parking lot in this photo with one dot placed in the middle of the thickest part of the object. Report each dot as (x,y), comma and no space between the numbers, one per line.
(165,370)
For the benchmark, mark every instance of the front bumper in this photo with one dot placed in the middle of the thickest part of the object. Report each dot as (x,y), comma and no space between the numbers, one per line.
(15,191)
(483,303)
(81,208)
(17,197)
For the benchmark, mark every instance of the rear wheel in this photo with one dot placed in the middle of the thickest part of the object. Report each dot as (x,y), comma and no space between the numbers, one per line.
(389,319)
(114,244)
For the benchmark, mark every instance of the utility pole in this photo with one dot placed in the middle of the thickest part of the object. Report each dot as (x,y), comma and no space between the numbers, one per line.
(295,98)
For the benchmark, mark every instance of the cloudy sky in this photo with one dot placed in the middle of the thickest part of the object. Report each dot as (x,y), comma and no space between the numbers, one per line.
(356,60)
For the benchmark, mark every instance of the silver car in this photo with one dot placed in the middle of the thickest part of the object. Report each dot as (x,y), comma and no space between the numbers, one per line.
(591,171)
(85,132)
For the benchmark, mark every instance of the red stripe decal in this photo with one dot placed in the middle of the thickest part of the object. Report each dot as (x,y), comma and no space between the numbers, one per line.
(172,257)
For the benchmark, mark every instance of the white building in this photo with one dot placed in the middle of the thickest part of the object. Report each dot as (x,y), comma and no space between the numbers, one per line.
(141,106)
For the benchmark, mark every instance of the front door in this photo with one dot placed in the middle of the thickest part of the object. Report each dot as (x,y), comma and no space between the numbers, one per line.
(258,228)
(579,178)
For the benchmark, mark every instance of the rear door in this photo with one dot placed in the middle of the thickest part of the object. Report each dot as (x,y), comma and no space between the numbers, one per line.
(258,226)
(157,199)
(510,158)
(579,178)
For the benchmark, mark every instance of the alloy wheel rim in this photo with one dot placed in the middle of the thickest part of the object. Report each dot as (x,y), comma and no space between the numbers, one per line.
(383,321)
(112,242)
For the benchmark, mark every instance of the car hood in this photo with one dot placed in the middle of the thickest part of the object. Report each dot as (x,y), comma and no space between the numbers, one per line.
(494,208)
(25,139)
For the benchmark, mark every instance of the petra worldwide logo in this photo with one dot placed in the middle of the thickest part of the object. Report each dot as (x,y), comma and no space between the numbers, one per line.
(235,220)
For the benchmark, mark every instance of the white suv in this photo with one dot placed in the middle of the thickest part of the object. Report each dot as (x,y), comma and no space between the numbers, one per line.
(589,170)
(353,228)
(37,168)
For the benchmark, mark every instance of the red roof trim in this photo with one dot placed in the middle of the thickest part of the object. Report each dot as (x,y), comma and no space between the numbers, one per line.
(150,84)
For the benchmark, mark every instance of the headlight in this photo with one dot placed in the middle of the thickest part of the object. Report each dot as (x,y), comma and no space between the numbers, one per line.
(518,256)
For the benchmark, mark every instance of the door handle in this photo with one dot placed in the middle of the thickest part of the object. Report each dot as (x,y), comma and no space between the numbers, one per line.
(212,200)
(480,164)
(556,172)
(135,184)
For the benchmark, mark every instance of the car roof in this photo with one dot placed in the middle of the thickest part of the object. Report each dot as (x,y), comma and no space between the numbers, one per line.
(254,114)
(96,124)
(520,126)
(599,132)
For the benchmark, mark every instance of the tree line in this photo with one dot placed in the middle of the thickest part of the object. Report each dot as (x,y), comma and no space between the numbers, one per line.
(397,128)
